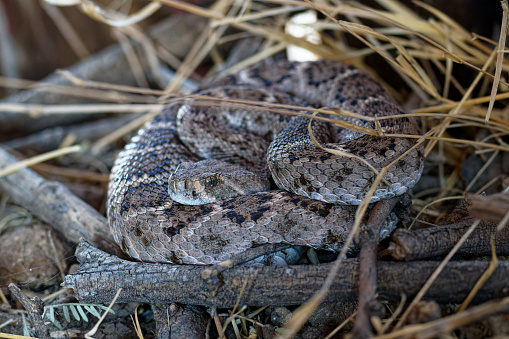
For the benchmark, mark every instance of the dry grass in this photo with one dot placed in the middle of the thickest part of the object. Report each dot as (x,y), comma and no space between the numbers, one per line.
(419,50)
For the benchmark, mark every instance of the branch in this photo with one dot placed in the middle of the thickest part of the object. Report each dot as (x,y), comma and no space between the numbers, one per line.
(101,275)
(56,205)
(34,308)
(368,305)
(491,208)
(439,240)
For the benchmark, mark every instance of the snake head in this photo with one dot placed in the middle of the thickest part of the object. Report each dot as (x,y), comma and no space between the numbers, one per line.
(210,181)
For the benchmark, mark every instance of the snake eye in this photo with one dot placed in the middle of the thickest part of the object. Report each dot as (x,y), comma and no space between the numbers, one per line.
(211,180)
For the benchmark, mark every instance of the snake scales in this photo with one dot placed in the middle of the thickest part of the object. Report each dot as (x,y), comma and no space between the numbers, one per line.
(150,226)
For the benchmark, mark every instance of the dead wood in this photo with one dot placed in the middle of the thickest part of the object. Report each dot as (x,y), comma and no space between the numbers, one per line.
(108,65)
(436,328)
(491,208)
(101,275)
(53,203)
(35,309)
(51,138)
(439,240)
(369,234)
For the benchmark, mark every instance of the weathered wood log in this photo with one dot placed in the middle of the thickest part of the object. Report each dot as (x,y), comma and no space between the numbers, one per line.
(53,203)
(439,240)
(101,275)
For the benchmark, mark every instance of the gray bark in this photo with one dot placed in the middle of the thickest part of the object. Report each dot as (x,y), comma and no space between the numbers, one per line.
(101,275)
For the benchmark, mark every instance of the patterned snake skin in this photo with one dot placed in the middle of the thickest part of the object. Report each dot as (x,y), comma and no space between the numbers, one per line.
(309,208)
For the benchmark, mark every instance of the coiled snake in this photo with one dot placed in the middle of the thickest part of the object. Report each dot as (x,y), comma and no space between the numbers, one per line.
(309,208)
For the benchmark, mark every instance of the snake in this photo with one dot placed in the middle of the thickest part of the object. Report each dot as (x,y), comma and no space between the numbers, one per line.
(180,193)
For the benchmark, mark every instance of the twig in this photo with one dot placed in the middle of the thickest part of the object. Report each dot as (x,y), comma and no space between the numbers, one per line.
(434,328)
(51,138)
(439,240)
(368,305)
(500,57)
(109,65)
(17,165)
(491,208)
(35,309)
(92,332)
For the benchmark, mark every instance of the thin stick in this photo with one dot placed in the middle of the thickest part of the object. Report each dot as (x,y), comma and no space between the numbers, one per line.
(368,305)
(89,334)
(435,328)
(500,57)
(38,159)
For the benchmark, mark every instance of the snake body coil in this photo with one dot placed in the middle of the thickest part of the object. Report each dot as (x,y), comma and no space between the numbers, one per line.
(312,208)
